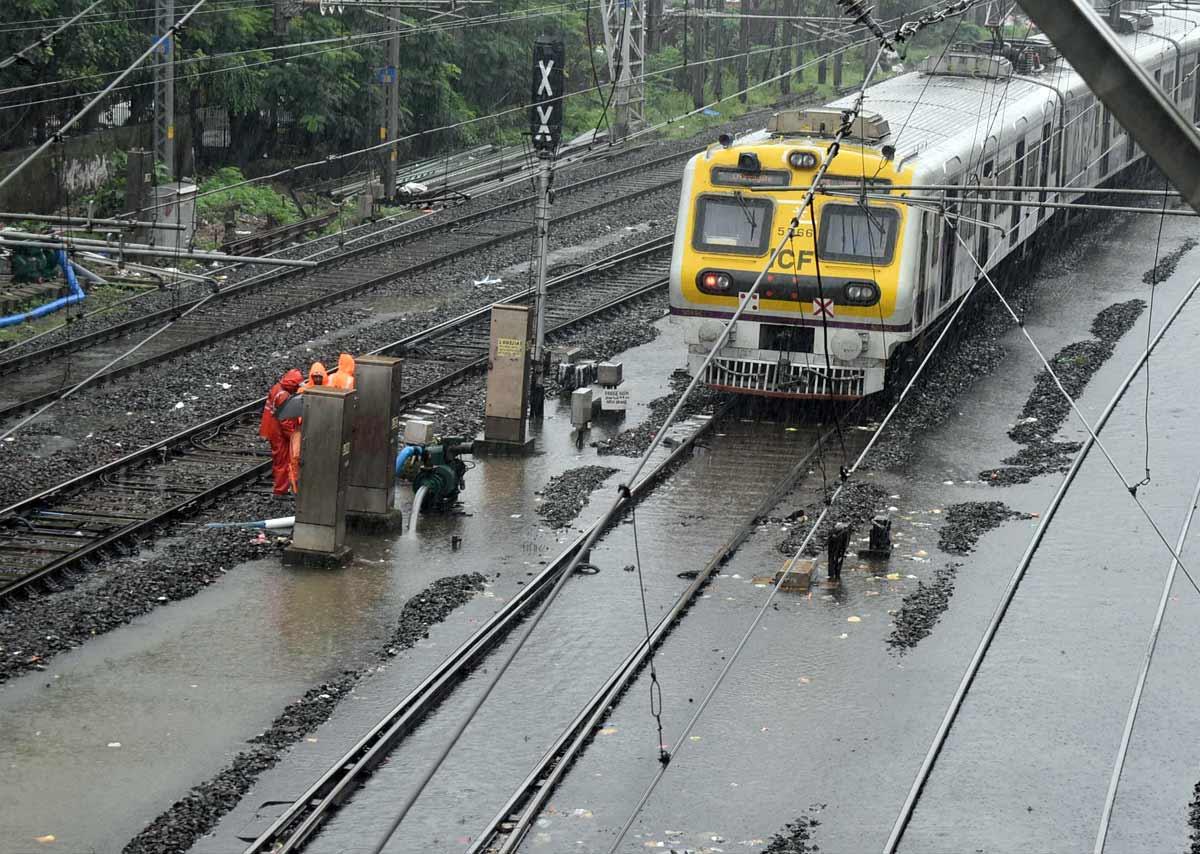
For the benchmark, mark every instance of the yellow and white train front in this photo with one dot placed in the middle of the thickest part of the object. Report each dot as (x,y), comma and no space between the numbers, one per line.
(830,310)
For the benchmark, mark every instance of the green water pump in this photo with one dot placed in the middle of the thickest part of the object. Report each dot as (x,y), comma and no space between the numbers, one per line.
(440,469)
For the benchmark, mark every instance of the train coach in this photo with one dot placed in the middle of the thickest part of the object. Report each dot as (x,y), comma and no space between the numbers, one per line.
(906,215)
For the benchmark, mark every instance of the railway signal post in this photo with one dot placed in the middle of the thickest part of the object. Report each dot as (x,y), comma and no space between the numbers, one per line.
(545,119)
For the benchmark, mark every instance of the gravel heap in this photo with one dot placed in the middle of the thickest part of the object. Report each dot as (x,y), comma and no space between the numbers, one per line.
(634,441)
(794,838)
(197,813)
(1166,265)
(858,504)
(921,609)
(967,522)
(1046,409)
(567,494)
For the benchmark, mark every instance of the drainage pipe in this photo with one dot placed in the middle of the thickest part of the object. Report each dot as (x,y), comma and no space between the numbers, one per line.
(402,457)
(76,295)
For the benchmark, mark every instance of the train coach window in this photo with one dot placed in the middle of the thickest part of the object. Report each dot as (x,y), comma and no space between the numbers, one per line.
(852,233)
(732,223)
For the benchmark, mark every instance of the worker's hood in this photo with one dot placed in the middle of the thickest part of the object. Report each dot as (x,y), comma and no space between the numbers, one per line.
(346,364)
(317,370)
(291,380)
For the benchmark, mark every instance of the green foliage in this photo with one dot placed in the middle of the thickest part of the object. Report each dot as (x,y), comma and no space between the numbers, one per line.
(250,200)
(301,102)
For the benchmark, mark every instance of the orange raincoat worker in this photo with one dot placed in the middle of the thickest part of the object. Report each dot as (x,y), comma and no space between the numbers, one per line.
(317,375)
(344,378)
(279,433)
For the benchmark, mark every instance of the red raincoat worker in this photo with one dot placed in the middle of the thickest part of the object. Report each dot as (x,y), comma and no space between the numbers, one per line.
(279,433)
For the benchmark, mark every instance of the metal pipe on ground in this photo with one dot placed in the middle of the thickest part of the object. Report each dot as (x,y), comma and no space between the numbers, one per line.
(137,250)
(88,222)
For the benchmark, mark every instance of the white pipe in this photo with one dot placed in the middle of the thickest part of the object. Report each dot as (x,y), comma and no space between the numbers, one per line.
(281,522)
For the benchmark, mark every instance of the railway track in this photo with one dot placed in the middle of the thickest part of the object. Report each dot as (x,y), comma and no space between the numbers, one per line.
(296,825)
(78,520)
(36,377)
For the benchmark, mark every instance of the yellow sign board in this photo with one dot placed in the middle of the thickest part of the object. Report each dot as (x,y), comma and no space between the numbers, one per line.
(510,347)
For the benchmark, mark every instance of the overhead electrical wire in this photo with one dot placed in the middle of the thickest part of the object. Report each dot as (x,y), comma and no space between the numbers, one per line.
(44,40)
(1135,702)
(340,42)
(1092,439)
(109,17)
(67,125)
(618,504)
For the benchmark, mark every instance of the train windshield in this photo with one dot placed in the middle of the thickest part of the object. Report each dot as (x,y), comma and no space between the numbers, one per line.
(732,223)
(864,235)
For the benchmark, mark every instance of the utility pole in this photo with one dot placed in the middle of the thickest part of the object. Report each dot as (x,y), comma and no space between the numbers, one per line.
(164,86)
(700,49)
(392,130)
(625,45)
(747,9)
(545,119)
(719,53)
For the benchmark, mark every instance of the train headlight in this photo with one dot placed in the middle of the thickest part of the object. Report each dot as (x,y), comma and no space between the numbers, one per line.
(802,160)
(715,282)
(862,293)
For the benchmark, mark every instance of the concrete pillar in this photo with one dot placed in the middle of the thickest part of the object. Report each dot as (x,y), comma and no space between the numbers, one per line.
(372,487)
(319,536)
(838,59)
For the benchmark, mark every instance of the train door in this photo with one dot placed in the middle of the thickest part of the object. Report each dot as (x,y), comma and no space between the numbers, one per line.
(985,212)
(1196,90)
(1018,181)
(949,247)
(922,275)
(1044,150)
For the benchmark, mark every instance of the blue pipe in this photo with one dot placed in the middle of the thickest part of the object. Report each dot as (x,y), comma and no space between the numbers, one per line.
(405,452)
(76,295)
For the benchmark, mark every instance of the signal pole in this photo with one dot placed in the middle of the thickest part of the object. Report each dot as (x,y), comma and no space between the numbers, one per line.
(393,107)
(545,118)
(164,87)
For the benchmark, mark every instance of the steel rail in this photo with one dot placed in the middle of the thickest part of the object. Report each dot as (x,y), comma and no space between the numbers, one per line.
(504,833)
(297,824)
(1010,591)
(170,445)
(150,318)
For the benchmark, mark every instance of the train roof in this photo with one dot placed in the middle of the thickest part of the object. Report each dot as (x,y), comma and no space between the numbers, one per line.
(936,117)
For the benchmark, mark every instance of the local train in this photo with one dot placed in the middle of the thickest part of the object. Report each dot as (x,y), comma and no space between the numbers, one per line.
(876,263)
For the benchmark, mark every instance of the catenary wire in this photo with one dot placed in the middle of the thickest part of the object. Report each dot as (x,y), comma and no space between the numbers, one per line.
(617,505)
(1135,702)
